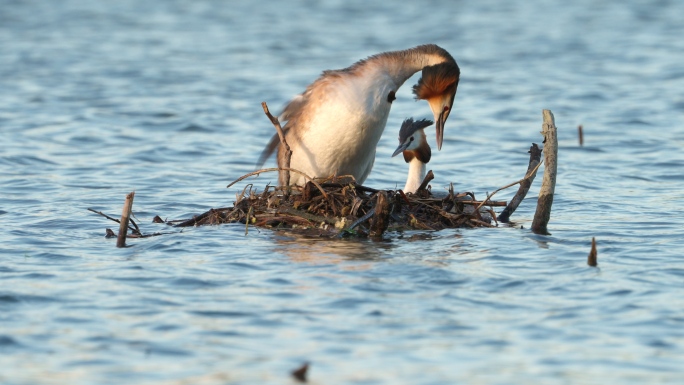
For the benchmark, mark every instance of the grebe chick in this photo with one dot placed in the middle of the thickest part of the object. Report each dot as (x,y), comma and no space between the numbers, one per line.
(413,144)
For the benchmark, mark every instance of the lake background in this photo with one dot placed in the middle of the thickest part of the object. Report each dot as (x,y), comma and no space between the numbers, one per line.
(99,98)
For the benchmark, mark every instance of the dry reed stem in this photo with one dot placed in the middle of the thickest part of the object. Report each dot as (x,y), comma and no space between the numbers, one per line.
(257,172)
(281,135)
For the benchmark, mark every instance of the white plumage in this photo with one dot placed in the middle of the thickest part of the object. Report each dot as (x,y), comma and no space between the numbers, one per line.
(333,128)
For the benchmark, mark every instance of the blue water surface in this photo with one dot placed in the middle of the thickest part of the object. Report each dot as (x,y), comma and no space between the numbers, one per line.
(100,98)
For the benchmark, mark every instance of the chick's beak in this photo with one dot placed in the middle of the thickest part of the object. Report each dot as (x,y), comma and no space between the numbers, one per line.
(400,149)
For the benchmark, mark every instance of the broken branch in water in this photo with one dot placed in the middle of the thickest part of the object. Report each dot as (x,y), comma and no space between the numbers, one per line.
(543,212)
(125,217)
(535,158)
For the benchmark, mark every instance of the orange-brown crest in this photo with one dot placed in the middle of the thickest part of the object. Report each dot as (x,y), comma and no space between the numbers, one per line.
(437,80)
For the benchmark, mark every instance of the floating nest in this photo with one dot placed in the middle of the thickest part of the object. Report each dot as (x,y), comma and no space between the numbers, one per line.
(341,207)
(347,209)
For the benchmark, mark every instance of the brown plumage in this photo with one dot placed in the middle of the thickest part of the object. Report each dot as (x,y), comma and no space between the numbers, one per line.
(437,80)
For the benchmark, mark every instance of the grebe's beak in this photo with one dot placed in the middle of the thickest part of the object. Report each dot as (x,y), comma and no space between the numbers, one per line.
(441,107)
(401,148)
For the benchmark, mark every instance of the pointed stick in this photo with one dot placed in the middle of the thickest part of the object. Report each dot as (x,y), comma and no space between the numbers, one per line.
(125,217)
(592,258)
(543,213)
(300,373)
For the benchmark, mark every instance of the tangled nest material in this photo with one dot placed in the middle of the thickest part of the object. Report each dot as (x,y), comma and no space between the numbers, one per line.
(345,208)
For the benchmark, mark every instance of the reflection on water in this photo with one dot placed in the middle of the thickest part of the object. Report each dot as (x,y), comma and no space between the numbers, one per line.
(103,98)
(318,251)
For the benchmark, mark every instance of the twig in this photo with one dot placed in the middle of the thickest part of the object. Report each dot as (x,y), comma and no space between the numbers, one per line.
(247,219)
(405,198)
(581,135)
(137,229)
(483,203)
(356,186)
(195,220)
(535,158)
(307,216)
(486,201)
(428,177)
(281,134)
(110,218)
(257,172)
(543,213)
(465,202)
(125,217)
(357,222)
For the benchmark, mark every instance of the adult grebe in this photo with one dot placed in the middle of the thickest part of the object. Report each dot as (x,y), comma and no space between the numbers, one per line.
(333,128)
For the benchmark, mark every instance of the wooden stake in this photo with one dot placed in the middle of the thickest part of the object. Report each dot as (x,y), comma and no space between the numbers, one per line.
(125,218)
(535,158)
(592,258)
(543,213)
(581,135)
(300,373)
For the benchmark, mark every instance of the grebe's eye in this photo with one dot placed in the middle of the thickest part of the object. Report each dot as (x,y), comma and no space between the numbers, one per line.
(411,139)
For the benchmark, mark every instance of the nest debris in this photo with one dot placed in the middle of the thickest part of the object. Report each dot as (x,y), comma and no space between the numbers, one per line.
(347,209)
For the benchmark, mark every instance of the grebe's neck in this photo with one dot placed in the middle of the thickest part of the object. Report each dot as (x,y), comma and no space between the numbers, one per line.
(401,65)
(416,175)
